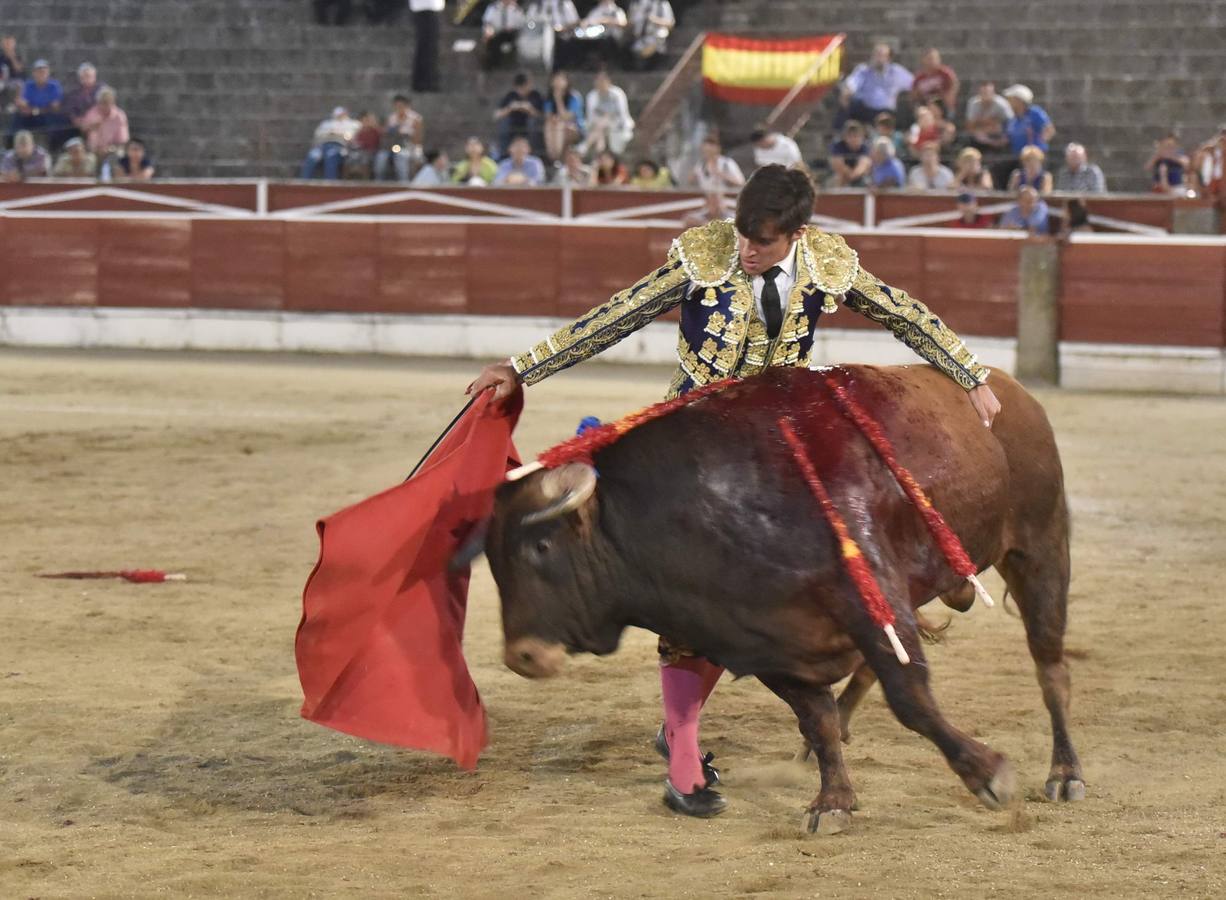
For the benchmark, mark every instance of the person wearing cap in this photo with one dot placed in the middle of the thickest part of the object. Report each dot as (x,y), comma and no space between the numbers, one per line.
(84,96)
(330,145)
(38,107)
(25,160)
(76,161)
(773,148)
(1030,125)
(969,215)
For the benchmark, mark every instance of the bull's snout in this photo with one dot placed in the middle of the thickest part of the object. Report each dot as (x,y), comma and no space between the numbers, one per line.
(534,658)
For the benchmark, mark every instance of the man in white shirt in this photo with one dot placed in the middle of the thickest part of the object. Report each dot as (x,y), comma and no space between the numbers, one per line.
(716,173)
(651,22)
(426,15)
(560,17)
(609,124)
(772,148)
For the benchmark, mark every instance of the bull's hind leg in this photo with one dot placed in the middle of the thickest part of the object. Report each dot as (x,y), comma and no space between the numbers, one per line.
(984,771)
(818,717)
(1038,578)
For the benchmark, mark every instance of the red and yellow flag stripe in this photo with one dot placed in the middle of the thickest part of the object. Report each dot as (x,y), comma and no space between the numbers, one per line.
(760,71)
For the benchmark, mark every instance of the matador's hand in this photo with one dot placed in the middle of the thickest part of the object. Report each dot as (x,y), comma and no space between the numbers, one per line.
(502,377)
(985,403)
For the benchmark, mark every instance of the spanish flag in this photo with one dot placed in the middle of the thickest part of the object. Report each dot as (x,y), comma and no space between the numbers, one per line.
(753,70)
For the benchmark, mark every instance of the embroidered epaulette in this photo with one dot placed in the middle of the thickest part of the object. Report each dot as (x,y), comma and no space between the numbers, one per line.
(832,264)
(708,252)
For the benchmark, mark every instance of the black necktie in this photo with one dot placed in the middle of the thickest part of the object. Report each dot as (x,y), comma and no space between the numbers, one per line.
(772,312)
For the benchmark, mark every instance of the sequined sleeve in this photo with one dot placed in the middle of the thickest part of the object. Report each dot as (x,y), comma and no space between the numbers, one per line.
(604,326)
(917,326)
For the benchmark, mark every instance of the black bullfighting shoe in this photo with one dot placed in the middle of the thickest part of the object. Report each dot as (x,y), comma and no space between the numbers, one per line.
(704,803)
(709,772)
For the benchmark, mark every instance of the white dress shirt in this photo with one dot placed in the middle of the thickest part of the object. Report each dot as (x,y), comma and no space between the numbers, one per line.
(784,282)
(426,5)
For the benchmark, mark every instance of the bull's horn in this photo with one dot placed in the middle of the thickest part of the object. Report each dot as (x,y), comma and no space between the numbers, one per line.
(567,487)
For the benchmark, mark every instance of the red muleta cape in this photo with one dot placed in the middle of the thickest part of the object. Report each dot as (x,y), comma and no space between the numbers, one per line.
(379,647)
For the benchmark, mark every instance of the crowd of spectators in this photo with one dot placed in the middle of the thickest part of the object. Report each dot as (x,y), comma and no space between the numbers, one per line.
(53,133)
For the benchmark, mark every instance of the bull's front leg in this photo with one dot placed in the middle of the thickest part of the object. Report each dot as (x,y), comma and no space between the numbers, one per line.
(817,714)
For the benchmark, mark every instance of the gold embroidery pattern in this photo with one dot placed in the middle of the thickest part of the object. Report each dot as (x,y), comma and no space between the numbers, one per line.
(604,326)
(716,323)
(708,253)
(831,264)
(916,326)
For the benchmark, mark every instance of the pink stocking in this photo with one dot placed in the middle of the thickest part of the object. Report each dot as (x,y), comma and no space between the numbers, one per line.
(685,686)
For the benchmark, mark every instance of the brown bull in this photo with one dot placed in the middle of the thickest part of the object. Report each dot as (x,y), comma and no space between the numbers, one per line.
(701,528)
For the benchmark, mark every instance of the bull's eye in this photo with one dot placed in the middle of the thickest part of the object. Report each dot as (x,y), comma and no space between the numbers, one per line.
(542,546)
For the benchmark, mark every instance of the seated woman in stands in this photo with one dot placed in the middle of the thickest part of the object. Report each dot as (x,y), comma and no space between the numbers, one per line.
(1031,172)
(609,171)
(134,165)
(969,173)
(564,123)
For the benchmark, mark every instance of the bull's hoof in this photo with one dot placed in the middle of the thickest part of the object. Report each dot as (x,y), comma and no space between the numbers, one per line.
(830,821)
(1069,789)
(999,791)
(704,803)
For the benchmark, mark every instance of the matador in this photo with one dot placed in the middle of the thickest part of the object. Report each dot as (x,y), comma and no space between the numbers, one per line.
(751,292)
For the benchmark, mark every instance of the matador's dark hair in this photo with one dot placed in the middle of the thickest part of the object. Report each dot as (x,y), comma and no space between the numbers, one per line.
(775,200)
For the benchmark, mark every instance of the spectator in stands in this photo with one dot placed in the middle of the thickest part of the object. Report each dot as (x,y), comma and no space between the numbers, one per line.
(1208,165)
(1030,126)
(84,96)
(76,161)
(25,160)
(434,172)
(885,125)
(39,108)
(1028,214)
(929,127)
(135,164)
(849,157)
(360,161)
(1030,172)
(330,145)
(771,147)
(332,12)
(475,169)
(609,124)
(969,215)
(105,127)
(561,17)
(886,170)
(602,32)
(401,140)
(930,175)
(987,116)
(426,16)
(651,22)
(609,171)
(935,81)
(872,87)
(520,167)
(12,72)
(573,170)
(1167,165)
(1079,175)
(716,173)
(500,26)
(651,176)
(969,173)
(564,120)
(520,113)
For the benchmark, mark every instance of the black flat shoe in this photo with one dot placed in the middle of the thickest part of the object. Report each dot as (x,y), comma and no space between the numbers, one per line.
(709,772)
(702,804)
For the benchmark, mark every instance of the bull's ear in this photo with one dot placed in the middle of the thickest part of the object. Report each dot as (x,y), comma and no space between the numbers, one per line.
(565,490)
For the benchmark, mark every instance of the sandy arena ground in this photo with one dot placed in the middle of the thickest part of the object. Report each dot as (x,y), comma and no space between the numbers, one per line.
(150,742)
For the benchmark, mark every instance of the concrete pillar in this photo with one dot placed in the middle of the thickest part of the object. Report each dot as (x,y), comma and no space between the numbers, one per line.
(1195,218)
(1038,312)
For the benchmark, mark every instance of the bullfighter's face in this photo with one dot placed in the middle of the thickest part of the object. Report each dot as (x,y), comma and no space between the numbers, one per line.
(767,249)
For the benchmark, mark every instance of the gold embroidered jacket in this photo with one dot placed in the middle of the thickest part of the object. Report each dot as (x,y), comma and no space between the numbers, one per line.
(721,332)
